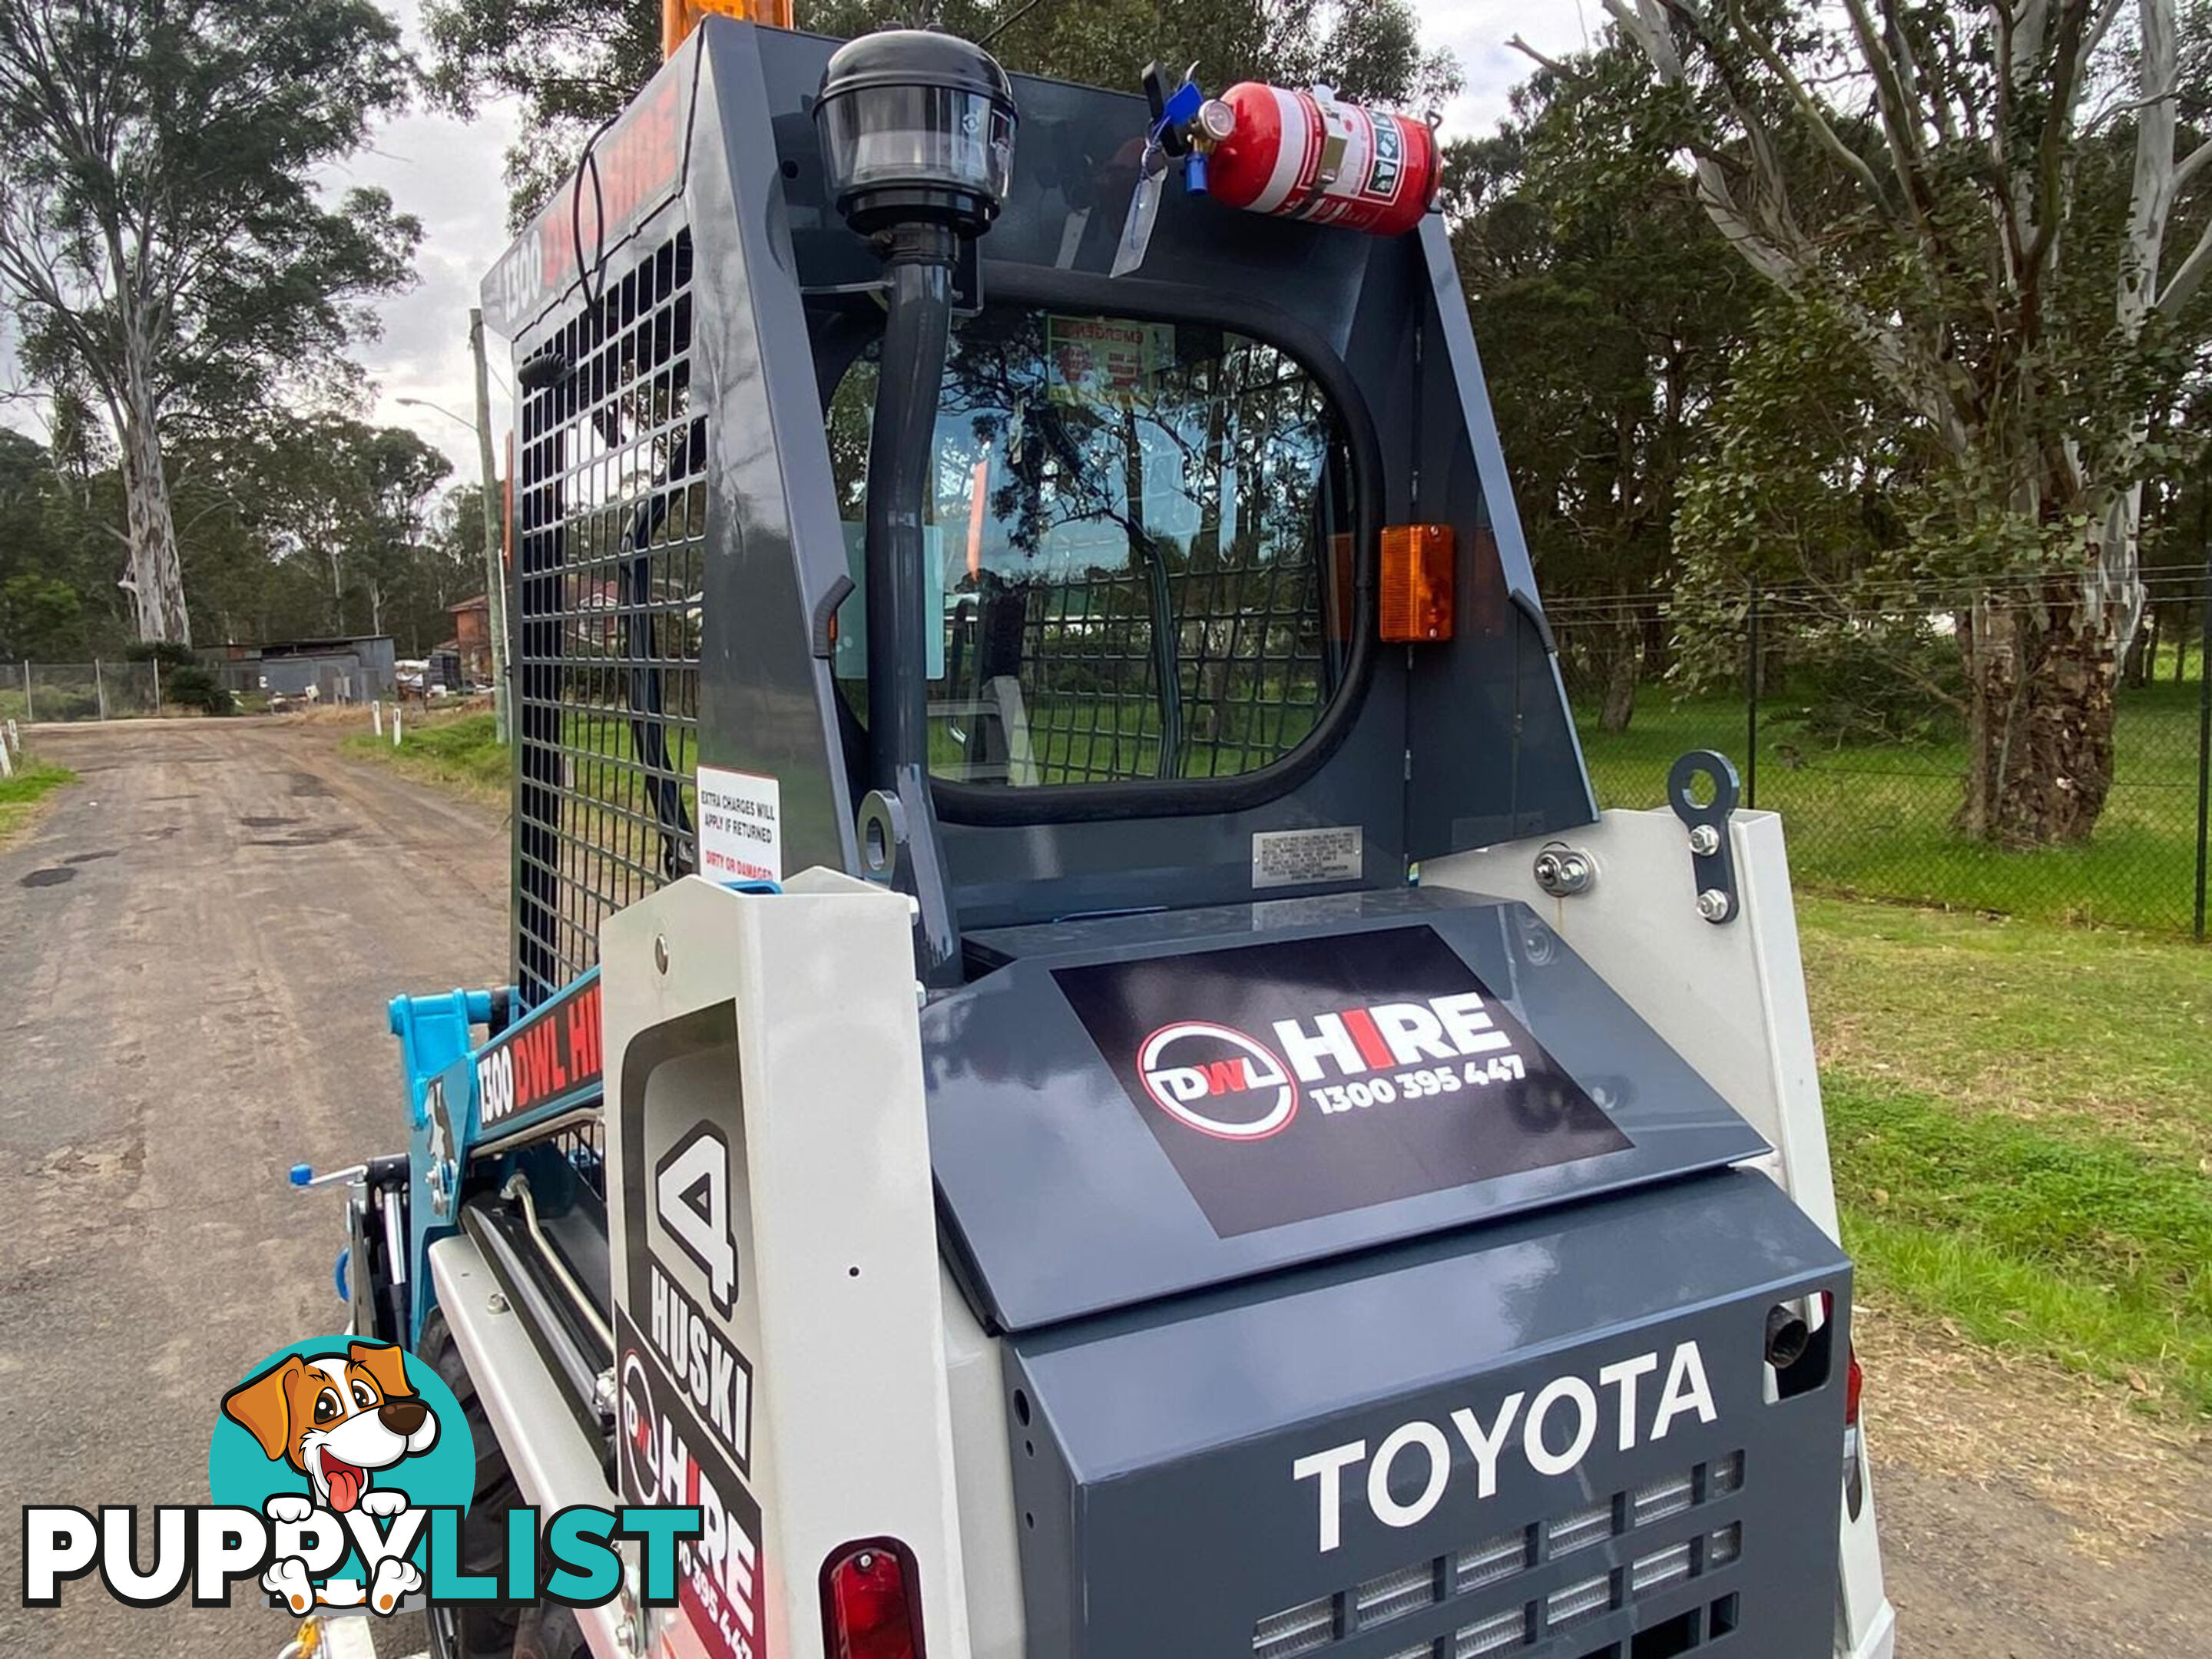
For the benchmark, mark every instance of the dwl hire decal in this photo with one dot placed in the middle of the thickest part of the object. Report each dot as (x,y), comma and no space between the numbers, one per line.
(1304,1078)
(340,1470)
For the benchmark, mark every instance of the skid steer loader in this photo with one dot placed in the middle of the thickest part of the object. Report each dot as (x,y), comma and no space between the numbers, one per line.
(1083,1073)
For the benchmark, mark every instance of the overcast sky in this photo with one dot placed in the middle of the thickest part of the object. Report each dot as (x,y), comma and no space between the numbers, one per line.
(447,172)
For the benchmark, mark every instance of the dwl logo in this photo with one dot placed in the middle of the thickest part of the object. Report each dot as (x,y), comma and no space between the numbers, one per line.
(1217,1080)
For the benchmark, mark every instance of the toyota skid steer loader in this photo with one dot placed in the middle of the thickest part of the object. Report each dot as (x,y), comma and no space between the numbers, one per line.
(1084,1075)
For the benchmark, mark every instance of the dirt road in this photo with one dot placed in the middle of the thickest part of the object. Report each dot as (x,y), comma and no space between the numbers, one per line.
(197,945)
(196,948)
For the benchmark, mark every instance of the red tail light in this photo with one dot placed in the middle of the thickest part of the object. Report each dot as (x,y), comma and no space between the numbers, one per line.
(1853,1385)
(872,1601)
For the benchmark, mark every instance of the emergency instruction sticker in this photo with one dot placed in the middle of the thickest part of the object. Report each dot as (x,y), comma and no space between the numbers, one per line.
(1104,360)
(1303,858)
(740,826)
(1311,1077)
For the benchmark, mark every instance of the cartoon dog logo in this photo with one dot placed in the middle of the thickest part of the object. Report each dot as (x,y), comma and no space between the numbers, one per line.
(336,1418)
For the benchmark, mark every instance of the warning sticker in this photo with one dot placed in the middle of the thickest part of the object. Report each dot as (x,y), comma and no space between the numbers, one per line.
(740,826)
(1310,1077)
(1302,858)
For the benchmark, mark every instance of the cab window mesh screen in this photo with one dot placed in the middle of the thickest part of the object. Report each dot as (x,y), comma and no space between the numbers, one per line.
(1138,546)
(611,543)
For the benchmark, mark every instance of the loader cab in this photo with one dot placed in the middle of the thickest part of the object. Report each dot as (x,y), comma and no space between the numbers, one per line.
(1155,514)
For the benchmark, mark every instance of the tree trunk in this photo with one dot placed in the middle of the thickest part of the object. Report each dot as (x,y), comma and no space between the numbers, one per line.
(2040,671)
(1622,670)
(2135,671)
(157,579)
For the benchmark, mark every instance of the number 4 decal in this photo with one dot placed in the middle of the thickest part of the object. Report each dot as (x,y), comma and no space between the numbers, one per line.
(691,1195)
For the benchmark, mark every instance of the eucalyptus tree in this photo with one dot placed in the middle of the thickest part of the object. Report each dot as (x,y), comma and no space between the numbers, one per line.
(165,238)
(1609,313)
(2001,207)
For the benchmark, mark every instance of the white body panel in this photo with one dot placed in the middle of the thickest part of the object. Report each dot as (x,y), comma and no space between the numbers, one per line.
(850,1435)
(1730,998)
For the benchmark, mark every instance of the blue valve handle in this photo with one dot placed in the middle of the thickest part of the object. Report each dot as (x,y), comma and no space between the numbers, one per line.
(1182,108)
(378,1172)
(1193,173)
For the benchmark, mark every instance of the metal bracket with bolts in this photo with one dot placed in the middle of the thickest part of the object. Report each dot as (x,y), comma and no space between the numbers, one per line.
(1712,859)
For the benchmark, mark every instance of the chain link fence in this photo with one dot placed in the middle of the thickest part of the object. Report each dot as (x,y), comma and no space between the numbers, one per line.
(61,691)
(1858,718)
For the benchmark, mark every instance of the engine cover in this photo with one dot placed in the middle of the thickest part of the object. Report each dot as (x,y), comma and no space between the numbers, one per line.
(1543,1437)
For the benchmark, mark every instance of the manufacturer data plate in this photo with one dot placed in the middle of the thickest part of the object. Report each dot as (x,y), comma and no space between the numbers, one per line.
(1311,1077)
(1306,858)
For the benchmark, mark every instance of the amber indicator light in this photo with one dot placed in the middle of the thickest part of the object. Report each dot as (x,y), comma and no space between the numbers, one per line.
(1419,562)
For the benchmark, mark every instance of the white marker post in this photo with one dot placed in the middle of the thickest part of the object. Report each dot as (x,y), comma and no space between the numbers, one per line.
(376,716)
(7,766)
(395,726)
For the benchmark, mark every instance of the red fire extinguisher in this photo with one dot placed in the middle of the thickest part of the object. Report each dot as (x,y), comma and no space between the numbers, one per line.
(1306,155)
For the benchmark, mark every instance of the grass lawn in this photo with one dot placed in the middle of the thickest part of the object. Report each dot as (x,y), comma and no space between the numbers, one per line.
(460,752)
(1875,821)
(20,795)
(2022,1129)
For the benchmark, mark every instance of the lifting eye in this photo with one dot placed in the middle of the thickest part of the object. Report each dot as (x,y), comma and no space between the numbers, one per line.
(363,1395)
(328,1406)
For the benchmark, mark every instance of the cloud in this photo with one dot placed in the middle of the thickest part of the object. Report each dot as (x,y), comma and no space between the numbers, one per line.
(447,172)
(1476,31)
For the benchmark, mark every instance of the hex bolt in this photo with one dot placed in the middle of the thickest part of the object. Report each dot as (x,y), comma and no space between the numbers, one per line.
(495,1304)
(660,951)
(1704,840)
(1564,871)
(603,1391)
(632,1629)
(1714,905)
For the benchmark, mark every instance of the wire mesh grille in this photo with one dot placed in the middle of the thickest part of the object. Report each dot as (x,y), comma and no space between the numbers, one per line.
(610,508)
(585,1148)
(1241,654)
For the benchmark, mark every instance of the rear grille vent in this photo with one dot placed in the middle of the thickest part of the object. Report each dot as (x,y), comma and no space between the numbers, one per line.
(1303,1629)
(1394,1593)
(1530,1624)
(1493,1559)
